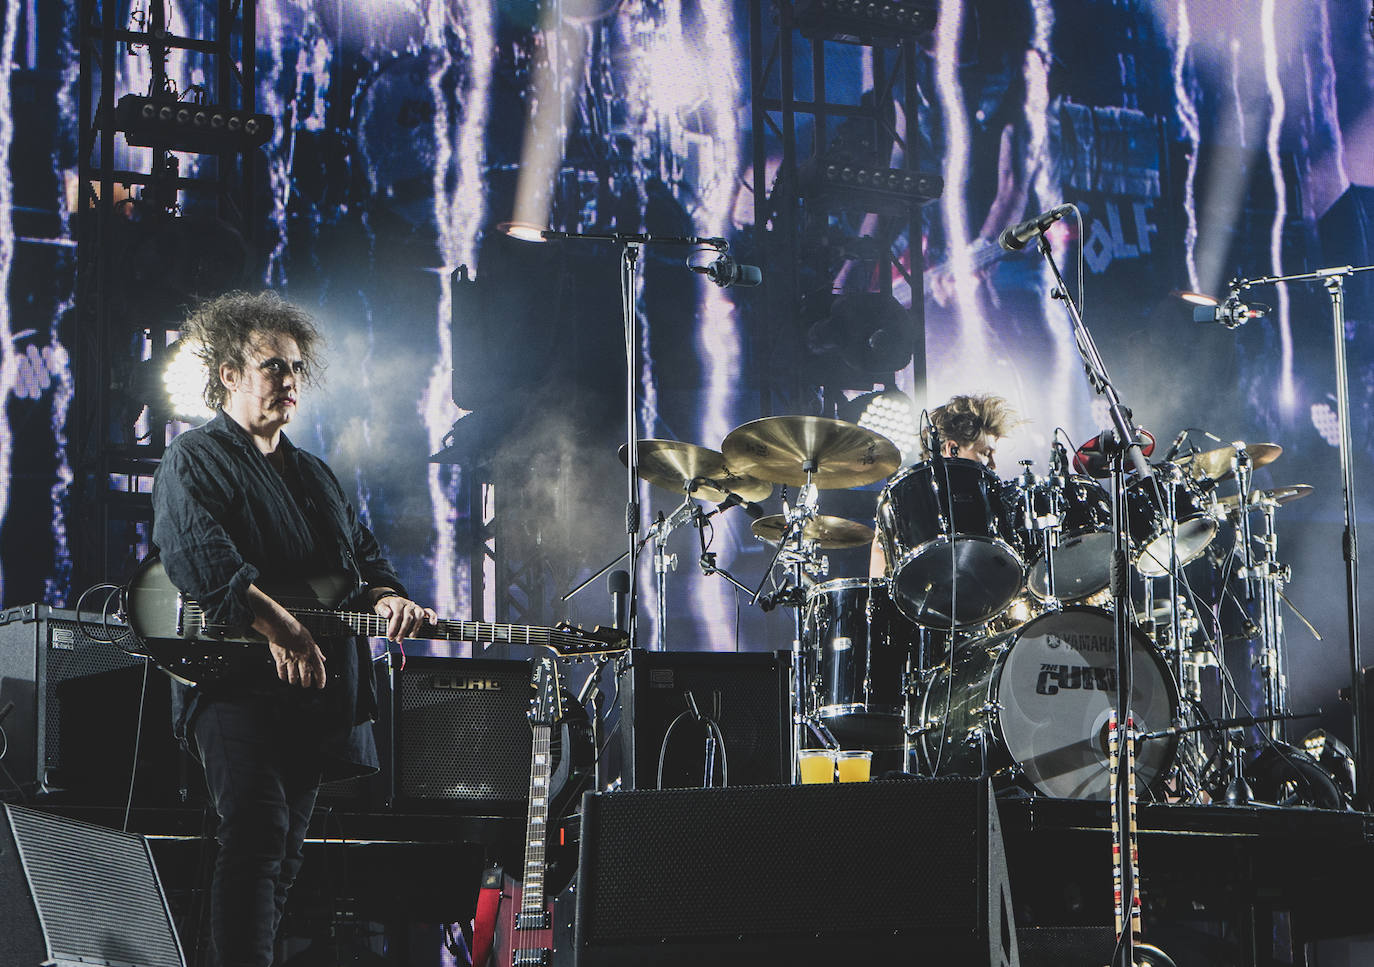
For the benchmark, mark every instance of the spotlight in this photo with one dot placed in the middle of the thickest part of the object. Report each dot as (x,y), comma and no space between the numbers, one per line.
(184,381)
(890,413)
(522,231)
(185,126)
(871,333)
(882,190)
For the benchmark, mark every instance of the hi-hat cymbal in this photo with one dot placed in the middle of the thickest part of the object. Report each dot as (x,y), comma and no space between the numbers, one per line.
(683,467)
(1219,464)
(830,533)
(838,454)
(1278,495)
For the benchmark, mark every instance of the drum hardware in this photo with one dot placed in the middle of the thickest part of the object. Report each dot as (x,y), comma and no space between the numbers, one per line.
(1219,465)
(947,539)
(811,453)
(825,531)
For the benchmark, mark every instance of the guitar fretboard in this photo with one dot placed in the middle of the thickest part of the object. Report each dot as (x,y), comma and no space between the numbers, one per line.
(326,622)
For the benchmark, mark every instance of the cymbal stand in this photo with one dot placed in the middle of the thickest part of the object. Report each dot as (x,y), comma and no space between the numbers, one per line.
(808,499)
(1271,576)
(1188,787)
(683,513)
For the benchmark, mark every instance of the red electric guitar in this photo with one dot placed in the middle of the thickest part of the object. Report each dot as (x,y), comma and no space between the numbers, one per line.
(524,923)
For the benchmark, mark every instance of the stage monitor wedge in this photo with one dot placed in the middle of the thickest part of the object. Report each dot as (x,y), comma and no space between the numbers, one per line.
(77,895)
(885,872)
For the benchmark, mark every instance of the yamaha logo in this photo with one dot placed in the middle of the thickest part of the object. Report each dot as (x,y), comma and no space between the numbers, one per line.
(466,683)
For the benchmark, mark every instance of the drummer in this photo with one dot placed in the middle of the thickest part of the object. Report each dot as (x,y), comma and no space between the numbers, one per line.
(970,427)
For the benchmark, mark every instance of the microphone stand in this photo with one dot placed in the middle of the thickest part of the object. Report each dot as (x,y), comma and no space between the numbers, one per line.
(1125,448)
(630,244)
(1333,279)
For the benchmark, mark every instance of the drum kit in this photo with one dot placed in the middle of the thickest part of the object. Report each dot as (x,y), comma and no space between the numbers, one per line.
(987,645)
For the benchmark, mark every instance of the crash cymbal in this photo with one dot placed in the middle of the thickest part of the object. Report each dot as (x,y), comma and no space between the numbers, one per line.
(1277,495)
(682,466)
(783,448)
(1219,464)
(830,533)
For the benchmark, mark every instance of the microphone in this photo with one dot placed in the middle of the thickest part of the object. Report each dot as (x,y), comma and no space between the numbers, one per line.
(1173,447)
(733,499)
(725,272)
(1016,237)
(619,585)
(1091,458)
(1232,313)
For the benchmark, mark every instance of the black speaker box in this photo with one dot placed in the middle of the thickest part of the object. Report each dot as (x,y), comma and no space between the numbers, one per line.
(73,893)
(75,719)
(745,694)
(461,735)
(892,872)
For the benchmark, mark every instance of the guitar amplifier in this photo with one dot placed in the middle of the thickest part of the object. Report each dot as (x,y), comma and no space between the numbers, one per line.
(744,693)
(75,721)
(460,735)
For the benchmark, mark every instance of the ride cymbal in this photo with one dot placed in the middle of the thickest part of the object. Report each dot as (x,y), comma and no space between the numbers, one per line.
(838,455)
(686,467)
(830,533)
(1277,495)
(1220,464)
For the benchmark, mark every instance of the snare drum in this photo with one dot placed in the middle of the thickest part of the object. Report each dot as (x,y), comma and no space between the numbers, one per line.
(1148,523)
(1082,560)
(949,543)
(854,646)
(1033,704)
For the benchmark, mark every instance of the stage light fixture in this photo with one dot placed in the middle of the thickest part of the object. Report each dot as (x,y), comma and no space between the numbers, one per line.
(870,335)
(188,126)
(890,413)
(522,231)
(864,21)
(184,382)
(852,186)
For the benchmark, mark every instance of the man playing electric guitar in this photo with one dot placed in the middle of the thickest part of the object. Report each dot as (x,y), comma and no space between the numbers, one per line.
(238,507)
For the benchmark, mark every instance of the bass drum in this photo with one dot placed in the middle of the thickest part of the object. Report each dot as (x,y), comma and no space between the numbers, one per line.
(1034,704)
(854,645)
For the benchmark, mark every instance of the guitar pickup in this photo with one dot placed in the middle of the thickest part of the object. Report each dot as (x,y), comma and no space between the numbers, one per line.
(531,958)
(537,920)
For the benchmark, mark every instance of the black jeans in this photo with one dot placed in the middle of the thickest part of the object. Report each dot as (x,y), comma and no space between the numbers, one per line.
(263,771)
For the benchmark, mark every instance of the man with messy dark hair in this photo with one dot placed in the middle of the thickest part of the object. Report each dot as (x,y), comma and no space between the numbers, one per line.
(238,510)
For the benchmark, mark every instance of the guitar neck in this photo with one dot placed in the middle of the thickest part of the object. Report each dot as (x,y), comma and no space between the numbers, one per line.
(536,829)
(327,622)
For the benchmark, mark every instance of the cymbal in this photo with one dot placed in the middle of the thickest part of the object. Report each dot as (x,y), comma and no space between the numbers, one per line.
(673,466)
(1278,495)
(1219,464)
(783,448)
(830,533)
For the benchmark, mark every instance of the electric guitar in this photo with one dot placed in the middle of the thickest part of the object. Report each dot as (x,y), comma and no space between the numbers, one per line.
(172,630)
(524,925)
(1121,755)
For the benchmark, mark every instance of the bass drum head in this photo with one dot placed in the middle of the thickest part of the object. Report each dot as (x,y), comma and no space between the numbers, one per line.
(1056,690)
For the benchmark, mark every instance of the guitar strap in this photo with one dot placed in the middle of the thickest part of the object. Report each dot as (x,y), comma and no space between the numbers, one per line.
(484,923)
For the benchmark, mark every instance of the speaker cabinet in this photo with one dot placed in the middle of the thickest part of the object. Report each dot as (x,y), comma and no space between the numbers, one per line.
(745,694)
(75,719)
(76,894)
(462,737)
(893,872)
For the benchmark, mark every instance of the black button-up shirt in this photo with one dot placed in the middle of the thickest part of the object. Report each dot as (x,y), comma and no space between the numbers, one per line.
(224,518)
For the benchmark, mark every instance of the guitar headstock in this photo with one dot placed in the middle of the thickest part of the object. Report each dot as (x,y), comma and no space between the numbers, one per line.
(577,642)
(546,707)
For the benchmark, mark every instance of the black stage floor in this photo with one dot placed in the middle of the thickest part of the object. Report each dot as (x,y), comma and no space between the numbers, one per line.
(1243,885)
